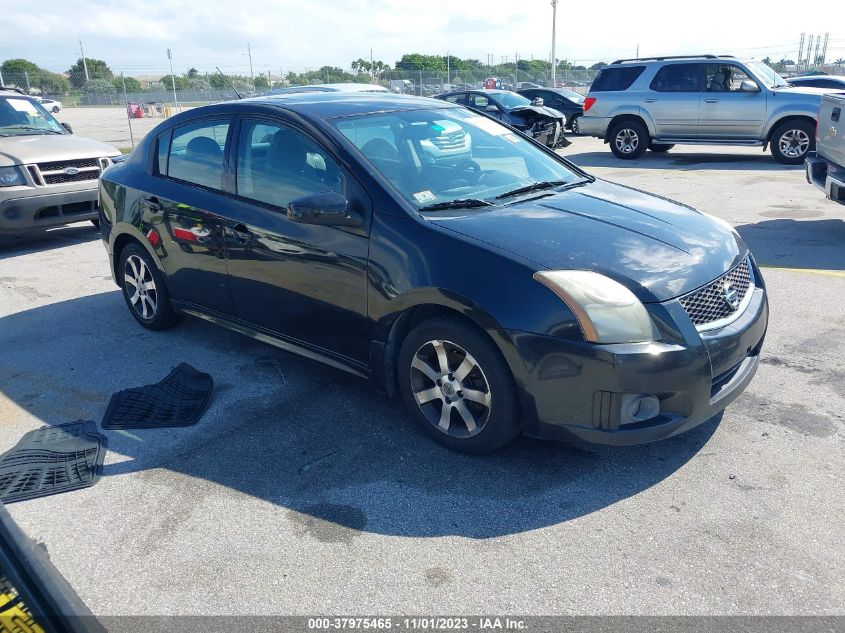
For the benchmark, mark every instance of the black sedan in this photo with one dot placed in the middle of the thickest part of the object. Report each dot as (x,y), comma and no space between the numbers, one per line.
(499,290)
(560,99)
(833,82)
(542,123)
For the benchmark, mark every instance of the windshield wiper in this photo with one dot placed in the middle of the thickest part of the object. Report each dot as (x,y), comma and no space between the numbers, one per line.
(460,203)
(543,184)
(35,129)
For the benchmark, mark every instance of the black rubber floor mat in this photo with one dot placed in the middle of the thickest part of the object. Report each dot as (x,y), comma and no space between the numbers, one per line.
(52,459)
(178,400)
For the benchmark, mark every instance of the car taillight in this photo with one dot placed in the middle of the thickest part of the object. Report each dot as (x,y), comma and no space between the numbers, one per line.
(588,103)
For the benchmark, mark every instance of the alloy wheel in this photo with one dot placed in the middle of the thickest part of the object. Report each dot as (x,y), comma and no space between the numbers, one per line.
(576,126)
(140,287)
(794,143)
(627,140)
(450,388)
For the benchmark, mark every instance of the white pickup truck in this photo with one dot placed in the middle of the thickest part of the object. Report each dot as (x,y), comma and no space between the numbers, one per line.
(826,166)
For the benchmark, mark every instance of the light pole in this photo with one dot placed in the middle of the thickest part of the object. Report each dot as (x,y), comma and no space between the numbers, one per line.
(554,19)
(251,74)
(173,80)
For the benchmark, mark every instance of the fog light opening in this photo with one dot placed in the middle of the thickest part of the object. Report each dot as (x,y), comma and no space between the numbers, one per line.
(639,408)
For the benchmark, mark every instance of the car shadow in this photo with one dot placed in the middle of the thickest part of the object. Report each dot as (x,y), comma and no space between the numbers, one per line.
(797,243)
(679,160)
(341,458)
(23,244)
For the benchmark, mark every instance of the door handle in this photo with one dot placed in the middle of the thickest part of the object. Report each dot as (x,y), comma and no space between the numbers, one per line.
(152,203)
(651,100)
(711,101)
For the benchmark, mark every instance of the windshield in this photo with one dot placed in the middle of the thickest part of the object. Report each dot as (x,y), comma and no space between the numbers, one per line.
(767,75)
(20,116)
(511,100)
(440,156)
(572,96)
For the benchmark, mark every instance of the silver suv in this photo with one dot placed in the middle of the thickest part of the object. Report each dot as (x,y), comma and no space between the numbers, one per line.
(654,103)
(47,176)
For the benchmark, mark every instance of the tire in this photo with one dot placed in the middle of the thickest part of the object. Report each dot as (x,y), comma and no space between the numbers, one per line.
(493,409)
(628,139)
(56,109)
(660,148)
(791,141)
(150,307)
(574,125)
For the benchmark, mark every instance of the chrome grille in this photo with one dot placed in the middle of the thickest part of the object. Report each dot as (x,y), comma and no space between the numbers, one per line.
(708,304)
(453,140)
(54,172)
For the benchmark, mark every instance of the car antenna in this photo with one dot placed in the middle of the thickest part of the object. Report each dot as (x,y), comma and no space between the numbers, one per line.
(230,82)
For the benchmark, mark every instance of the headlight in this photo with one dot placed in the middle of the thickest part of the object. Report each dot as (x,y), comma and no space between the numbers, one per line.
(118,158)
(607,311)
(11,176)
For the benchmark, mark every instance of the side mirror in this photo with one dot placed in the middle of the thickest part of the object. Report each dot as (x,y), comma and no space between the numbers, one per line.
(491,108)
(328,208)
(67,127)
(748,86)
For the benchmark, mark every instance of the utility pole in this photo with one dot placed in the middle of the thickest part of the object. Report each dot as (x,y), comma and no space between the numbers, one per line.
(554,19)
(516,69)
(372,68)
(809,52)
(173,80)
(251,74)
(800,50)
(824,48)
(638,51)
(448,68)
(84,63)
(816,54)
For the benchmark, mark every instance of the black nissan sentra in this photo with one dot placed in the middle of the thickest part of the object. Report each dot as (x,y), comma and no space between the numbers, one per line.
(492,284)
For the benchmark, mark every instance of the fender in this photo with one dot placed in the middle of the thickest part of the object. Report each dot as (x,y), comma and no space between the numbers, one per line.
(788,110)
(118,233)
(632,111)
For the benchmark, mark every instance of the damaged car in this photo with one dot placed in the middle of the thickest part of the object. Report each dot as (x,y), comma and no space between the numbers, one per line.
(542,123)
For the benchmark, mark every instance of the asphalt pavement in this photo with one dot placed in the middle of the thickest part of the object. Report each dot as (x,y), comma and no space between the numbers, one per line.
(302,491)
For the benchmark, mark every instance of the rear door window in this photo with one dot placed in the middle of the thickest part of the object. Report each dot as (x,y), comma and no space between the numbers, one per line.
(196,153)
(677,78)
(616,79)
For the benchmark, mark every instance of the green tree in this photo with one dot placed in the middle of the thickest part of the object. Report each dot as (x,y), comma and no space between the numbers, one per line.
(132,84)
(193,73)
(168,81)
(22,72)
(218,81)
(598,66)
(97,69)
(261,83)
(99,86)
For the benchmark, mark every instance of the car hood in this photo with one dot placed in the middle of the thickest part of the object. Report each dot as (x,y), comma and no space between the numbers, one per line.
(544,110)
(40,148)
(802,92)
(657,248)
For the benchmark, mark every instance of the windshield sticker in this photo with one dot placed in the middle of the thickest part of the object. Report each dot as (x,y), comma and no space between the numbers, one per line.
(488,125)
(513,138)
(23,105)
(424,196)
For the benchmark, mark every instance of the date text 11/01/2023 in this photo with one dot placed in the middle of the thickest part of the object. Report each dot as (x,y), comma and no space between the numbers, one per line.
(480,623)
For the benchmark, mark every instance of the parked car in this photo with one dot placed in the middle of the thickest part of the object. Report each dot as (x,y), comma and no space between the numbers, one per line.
(654,103)
(825,167)
(50,104)
(562,100)
(525,85)
(506,293)
(831,82)
(540,122)
(47,176)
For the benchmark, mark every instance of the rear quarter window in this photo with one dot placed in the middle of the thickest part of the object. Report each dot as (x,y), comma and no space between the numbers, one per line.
(616,79)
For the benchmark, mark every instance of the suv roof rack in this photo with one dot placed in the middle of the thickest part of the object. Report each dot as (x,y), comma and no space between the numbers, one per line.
(11,89)
(660,59)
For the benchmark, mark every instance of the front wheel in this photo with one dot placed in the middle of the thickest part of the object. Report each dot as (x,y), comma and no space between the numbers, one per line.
(457,386)
(629,139)
(792,140)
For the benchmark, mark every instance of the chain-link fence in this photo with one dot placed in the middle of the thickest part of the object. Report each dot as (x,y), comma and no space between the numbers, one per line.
(120,107)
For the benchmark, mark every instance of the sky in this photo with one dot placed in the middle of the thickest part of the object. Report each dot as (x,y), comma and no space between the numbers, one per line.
(294,35)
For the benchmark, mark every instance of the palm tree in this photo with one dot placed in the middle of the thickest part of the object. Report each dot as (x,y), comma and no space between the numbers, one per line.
(839,63)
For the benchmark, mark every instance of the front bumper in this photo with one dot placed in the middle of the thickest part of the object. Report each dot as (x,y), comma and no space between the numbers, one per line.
(593,125)
(827,176)
(578,389)
(37,212)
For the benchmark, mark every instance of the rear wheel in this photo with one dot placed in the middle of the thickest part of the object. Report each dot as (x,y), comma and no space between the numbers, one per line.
(628,139)
(457,386)
(144,290)
(792,140)
(56,109)
(575,124)
(660,147)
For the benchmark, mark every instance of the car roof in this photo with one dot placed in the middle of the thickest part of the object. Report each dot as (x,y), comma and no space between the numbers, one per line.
(328,105)
(674,58)
(338,87)
(840,78)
